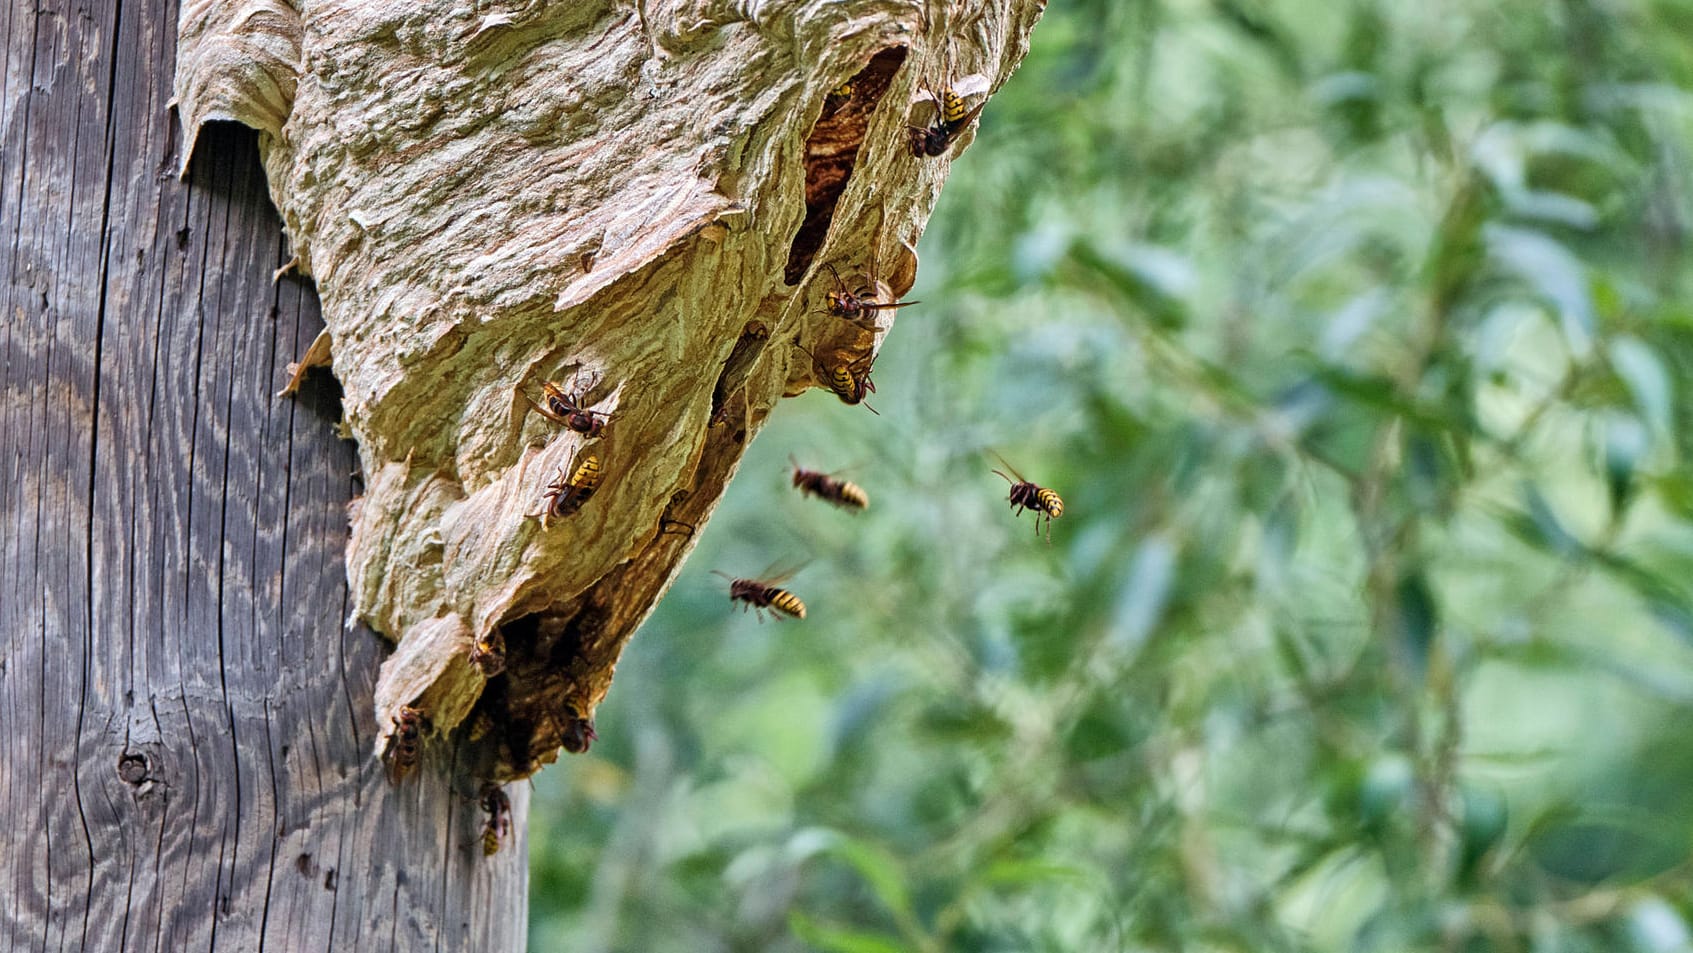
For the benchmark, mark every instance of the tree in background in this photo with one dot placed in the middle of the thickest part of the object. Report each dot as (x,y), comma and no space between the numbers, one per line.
(1358,343)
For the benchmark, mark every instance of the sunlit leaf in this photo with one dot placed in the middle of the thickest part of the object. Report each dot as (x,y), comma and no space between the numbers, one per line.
(1539,524)
(1648,381)
(1037,251)
(1022,872)
(1676,491)
(839,939)
(1555,273)
(1145,589)
(1351,321)
(880,869)
(1153,279)
(1386,788)
(1655,926)
(1553,208)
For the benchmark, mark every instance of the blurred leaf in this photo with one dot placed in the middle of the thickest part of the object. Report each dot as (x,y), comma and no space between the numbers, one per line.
(1351,322)
(1005,873)
(1038,250)
(1279,539)
(857,711)
(880,869)
(1261,28)
(1539,525)
(1428,477)
(1674,613)
(1456,255)
(1626,445)
(1553,208)
(1154,280)
(1647,381)
(1481,825)
(1593,848)
(1675,489)
(1554,272)
(961,720)
(600,780)
(1145,590)
(1415,619)
(1379,392)
(838,939)
(1384,790)
(1655,926)
(1103,731)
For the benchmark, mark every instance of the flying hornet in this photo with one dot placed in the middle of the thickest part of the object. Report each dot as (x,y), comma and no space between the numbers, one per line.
(565,495)
(764,595)
(566,407)
(1030,496)
(856,306)
(842,493)
(951,117)
(404,742)
(497,805)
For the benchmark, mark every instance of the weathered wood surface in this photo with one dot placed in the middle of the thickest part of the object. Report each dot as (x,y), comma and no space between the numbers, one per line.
(185,725)
(613,194)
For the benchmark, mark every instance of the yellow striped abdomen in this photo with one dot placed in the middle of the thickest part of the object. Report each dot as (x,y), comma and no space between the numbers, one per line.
(587,475)
(784,601)
(844,384)
(853,495)
(952,107)
(1050,502)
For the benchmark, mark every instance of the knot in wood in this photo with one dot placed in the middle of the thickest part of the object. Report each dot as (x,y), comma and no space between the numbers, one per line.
(132,768)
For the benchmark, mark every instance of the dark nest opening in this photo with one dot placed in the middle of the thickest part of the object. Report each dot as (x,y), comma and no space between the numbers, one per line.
(832,151)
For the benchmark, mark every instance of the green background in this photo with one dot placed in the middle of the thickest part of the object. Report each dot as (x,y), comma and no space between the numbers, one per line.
(1356,337)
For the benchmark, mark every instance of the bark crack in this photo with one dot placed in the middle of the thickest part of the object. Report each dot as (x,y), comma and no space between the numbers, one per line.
(104,272)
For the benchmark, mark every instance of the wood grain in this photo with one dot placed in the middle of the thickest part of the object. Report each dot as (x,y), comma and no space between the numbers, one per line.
(185,758)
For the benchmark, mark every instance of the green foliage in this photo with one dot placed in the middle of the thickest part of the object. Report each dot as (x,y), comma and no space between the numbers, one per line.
(1357,338)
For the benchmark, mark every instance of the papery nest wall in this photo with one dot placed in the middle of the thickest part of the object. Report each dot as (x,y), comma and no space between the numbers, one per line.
(633,200)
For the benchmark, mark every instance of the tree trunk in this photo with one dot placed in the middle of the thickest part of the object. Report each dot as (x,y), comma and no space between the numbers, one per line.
(185,725)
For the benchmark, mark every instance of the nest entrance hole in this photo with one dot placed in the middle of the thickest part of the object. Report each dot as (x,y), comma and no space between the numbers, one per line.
(831,152)
(535,706)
